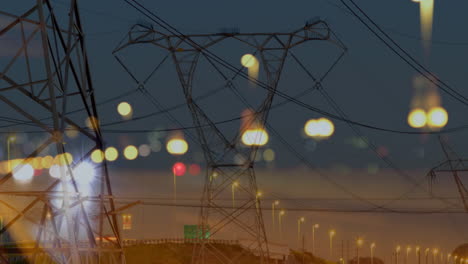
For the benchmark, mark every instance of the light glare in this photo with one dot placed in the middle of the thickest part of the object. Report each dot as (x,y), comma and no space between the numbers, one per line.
(255,137)
(417,118)
(177,146)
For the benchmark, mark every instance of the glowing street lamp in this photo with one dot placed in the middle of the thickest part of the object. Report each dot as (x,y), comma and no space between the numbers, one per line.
(233,189)
(299,221)
(435,251)
(397,253)
(280,215)
(331,234)
(315,226)
(426,254)
(359,243)
(372,247)
(455,259)
(408,250)
(257,199)
(275,203)
(418,254)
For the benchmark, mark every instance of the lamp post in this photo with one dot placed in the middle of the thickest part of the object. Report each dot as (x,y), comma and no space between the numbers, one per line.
(434,254)
(397,253)
(315,226)
(455,259)
(281,214)
(331,234)
(448,258)
(257,197)
(299,221)
(359,243)
(426,252)
(418,254)
(372,247)
(233,190)
(408,250)
(275,203)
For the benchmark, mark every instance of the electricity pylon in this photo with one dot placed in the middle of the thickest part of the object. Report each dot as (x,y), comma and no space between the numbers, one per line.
(455,165)
(46,88)
(228,161)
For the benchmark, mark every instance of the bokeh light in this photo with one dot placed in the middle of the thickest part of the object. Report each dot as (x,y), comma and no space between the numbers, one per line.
(437,117)
(63,159)
(249,60)
(255,137)
(97,156)
(111,154)
(269,155)
(251,63)
(194,169)
(71,131)
(144,150)
(124,109)
(91,122)
(47,161)
(177,146)
(130,152)
(179,169)
(319,128)
(23,173)
(56,171)
(84,173)
(417,118)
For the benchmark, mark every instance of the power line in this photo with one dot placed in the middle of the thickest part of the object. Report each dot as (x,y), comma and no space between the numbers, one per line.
(409,59)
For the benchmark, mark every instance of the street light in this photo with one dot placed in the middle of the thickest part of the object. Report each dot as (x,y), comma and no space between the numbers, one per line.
(359,243)
(233,189)
(280,214)
(275,203)
(257,202)
(455,259)
(397,253)
(425,254)
(372,247)
(299,221)
(434,254)
(448,258)
(408,250)
(418,254)
(315,226)
(331,233)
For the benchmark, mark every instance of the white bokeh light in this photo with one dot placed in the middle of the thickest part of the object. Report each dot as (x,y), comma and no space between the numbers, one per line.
(23,173)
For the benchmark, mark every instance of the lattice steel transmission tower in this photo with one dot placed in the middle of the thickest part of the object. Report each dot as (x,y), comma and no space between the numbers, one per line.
(46,89)
(455,165)
(228,161)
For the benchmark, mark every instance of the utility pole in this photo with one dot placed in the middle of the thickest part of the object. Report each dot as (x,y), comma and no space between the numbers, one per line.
(220,150)
(69,222)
